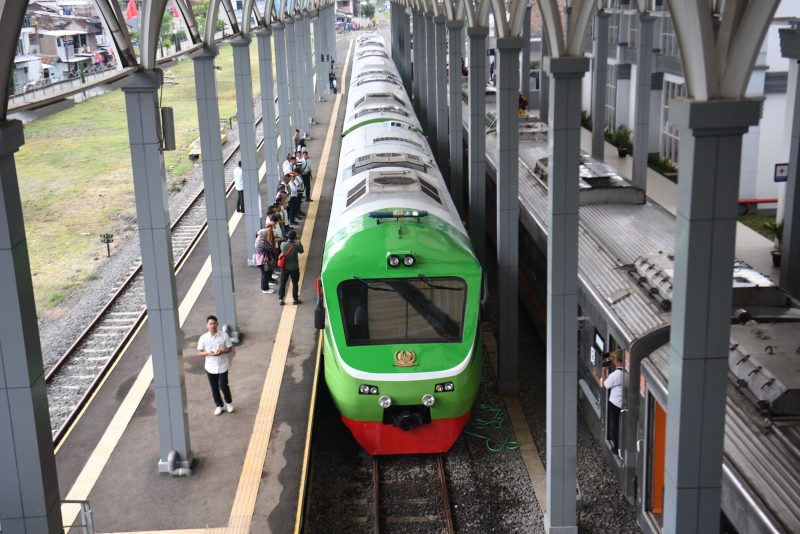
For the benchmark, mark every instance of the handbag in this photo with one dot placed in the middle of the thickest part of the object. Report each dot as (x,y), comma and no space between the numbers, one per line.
(282,257)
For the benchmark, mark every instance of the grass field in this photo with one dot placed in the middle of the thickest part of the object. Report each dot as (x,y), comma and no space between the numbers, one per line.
(75,176)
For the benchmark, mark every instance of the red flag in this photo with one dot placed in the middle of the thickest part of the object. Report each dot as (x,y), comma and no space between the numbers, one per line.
(175,12)
(131,11)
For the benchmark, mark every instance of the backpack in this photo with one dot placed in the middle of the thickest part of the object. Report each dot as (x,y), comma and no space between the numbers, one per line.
(282,257)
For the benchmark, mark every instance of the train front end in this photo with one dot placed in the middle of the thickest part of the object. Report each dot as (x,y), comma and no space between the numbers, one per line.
(401,340)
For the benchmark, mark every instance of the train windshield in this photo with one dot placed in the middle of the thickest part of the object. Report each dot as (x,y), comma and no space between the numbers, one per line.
(403,310)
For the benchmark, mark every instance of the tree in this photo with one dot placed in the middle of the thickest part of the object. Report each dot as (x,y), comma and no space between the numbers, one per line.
(368,11)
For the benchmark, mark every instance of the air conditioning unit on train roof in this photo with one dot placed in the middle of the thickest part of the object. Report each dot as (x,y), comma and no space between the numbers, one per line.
(654,272)
(392,181)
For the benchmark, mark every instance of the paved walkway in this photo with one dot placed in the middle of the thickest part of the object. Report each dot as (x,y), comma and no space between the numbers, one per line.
(751,246)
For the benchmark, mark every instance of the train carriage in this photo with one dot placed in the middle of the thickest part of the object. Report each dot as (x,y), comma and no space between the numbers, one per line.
(626,264)
(400,284)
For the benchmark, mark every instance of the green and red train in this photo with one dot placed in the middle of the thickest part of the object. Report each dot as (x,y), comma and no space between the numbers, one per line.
(400,288)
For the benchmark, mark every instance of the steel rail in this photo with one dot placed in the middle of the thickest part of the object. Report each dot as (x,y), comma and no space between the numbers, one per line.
(115,352)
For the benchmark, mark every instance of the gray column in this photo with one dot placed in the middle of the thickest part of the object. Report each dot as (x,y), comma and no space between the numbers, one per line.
(155,236)
(710,148)
(525,66)
(477,140)
(417,73)
(790,244)
(214,183)
(247,142)
(29,497)
(507,180)
(294,83)
(456,134)
(599,76)
(320,57)
(544,83)
(562,290)
(271,159)
(332,31)
(394,31)
(309,74)
(284,112)
(405,49)
(430,83)
(302,80)
(644,74)
(442,128)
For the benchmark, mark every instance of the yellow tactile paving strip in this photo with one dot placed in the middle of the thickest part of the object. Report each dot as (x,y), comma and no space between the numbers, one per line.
(250,480)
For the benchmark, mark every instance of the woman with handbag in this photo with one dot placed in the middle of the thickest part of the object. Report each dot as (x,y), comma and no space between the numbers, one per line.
(264,251)
(290,267)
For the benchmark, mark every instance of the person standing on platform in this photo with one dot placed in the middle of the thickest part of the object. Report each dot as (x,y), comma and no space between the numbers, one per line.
(238,183)
(332,81)
(215,346)
(291,268)
(264,250)
(306,175)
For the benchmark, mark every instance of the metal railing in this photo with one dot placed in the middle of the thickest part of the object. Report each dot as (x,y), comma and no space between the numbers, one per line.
(50,87)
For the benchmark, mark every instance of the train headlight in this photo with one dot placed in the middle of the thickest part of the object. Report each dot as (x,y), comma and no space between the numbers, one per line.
(428,400)
(444,387)
(384,401)
(393,260)
(409,260)
(366,389)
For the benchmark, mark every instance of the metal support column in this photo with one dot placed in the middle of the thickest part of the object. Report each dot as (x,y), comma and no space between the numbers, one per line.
(405,49)
(544,82)
(644,82)
(155,237)
(599,75)
(294,82)
(284,112)
(507,180)
(710,148)
(456,134)
(309,73)
(303,80)
(430,83)
(243,80)
(442,128)
(214,183)
(477,140)
(331,30)
(417,78)
(525,66)
(562,290)
(394,32)
(29,496)
(790,244)
(271,160)
(322,53)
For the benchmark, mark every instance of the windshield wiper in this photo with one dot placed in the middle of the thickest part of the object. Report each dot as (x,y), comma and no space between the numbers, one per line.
(374,288)
(434,286)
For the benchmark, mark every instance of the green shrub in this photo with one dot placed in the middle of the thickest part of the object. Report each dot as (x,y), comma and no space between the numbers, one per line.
(586,120)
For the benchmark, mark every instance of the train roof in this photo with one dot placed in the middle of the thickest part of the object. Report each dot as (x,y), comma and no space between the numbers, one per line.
(625,242)
(762,433)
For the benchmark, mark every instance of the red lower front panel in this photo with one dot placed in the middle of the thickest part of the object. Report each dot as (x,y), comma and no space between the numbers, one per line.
(375,437)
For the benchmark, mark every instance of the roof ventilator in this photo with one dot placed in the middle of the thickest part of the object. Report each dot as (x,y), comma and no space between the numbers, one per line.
(651,273)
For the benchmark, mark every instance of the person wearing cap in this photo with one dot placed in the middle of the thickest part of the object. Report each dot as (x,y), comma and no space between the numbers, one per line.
(291,269)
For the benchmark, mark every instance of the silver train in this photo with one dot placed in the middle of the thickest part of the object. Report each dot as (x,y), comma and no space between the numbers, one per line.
(625,281)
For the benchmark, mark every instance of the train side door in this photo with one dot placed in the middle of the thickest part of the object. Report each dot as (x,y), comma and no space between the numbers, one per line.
(656,432)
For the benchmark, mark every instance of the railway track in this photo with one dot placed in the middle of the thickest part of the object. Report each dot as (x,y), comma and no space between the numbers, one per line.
(72,380)
(409,495)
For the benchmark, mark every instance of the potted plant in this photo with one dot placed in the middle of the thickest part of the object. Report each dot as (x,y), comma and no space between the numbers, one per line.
(775,230)
(620,138)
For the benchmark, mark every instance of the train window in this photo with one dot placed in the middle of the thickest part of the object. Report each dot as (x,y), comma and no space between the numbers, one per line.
(403,310)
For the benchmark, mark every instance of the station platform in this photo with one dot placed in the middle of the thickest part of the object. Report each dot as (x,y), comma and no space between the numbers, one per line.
(248,465)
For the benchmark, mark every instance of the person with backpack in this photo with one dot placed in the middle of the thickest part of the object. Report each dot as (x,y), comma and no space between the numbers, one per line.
(264,251)
(290,267)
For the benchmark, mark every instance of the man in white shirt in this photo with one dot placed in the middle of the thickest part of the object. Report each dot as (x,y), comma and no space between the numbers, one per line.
(615,384)
(214,346)
(288,165)
(238,183)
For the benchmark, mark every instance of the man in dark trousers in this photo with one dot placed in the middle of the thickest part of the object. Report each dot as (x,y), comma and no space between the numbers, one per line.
(215,346)
(291,269)
(238,183)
